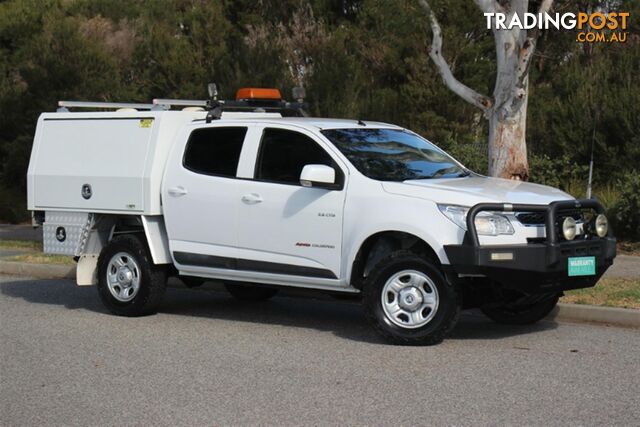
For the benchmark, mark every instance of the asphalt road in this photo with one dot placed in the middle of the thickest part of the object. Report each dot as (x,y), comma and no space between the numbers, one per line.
(627,266)
(20,232)
(207,359)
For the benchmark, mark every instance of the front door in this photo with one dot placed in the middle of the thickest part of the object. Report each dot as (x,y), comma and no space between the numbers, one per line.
(285,228)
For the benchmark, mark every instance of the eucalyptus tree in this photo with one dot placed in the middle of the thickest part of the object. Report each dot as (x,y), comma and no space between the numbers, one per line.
(506,109)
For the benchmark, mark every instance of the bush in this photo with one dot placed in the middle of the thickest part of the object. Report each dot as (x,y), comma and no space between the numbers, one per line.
(470,156)
(13,206)
(607,195)
(560,172)
(624,216)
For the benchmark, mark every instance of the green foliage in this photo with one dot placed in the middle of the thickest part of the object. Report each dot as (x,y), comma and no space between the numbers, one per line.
(607,195)
(470,155)
(13,205)
(584,94)
(624,216)
(560,172)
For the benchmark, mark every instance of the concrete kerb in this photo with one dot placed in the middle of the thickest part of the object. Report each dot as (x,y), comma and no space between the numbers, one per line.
(581,313)
(624,317)
(37,271)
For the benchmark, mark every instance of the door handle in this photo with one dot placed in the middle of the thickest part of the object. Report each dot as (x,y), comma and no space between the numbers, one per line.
(177,191)
(252,198)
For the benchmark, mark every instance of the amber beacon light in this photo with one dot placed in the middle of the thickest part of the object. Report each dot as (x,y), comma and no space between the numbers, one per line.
(258,93)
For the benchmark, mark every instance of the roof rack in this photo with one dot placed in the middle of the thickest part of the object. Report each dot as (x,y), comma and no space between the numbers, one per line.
(63,106)
(166,102)
(214,106)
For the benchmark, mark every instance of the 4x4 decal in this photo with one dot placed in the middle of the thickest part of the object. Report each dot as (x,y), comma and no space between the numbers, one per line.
(315,245)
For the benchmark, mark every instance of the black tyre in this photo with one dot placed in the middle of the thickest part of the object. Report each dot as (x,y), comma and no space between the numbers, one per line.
(408,301)
(522,314)
(192,281)
(248,292)
(129,283)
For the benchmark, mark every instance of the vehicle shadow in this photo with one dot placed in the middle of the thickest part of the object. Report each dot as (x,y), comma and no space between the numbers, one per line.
(342,318)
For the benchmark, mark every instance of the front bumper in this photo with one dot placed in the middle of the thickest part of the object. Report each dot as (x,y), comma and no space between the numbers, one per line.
(533,267)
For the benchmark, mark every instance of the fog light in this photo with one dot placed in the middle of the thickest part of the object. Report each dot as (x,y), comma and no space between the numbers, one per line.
(501,256)
(602,225)
(569,228)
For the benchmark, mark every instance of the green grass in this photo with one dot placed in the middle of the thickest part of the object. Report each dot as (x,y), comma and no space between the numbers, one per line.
(20,244)
(40,258)
(608,195)
(615,292)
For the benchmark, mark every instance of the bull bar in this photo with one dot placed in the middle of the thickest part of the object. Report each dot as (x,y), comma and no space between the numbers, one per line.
(534,267)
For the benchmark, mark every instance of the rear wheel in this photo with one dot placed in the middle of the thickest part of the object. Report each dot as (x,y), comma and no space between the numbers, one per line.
(408,300)
(523,313)
(249,292)
(129,283)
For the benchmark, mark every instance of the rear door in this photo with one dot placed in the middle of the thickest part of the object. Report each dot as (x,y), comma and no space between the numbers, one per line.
(287,229)
(200,194)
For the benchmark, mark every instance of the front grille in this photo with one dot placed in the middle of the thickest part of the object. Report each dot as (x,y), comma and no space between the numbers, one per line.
(531,218)
(538,218)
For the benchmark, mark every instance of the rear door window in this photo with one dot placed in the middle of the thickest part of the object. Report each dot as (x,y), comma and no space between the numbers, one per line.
(214,151)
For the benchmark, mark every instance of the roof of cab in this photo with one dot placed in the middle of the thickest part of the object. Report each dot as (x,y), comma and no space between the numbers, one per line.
(314,122)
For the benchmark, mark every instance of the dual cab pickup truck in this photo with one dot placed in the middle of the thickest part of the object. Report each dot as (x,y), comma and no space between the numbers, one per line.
(243,194)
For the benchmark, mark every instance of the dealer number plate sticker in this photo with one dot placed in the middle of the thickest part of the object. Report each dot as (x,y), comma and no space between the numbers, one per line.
(582,266)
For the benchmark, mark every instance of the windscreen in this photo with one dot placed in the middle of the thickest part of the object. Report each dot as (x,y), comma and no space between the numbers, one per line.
(393,154)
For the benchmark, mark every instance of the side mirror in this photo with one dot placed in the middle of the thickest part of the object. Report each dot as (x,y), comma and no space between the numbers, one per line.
(321,176)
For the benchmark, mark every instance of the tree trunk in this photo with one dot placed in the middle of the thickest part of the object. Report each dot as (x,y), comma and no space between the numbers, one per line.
(508,114)
(508,147)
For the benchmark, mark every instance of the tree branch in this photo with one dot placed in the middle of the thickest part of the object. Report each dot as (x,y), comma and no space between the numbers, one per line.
(529,45)
(489,6)
(545,6)
(435,53)
(524,61)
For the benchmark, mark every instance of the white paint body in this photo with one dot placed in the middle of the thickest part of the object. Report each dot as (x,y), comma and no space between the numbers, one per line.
(239,218)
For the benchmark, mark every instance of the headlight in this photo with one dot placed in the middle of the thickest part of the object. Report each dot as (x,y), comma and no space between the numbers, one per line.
(487,223)
(569,228)
(457,214)
(602,225)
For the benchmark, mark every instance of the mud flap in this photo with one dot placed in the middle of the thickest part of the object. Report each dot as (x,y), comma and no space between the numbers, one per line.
(87,270)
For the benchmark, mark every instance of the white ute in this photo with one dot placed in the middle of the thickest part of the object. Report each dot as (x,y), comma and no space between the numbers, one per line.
(242,192)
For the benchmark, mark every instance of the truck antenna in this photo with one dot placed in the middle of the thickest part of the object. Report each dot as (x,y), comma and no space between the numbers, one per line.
(593,139)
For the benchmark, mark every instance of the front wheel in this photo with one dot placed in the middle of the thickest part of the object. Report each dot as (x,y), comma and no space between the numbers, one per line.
(408,300)
(129,283)
(522,313)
